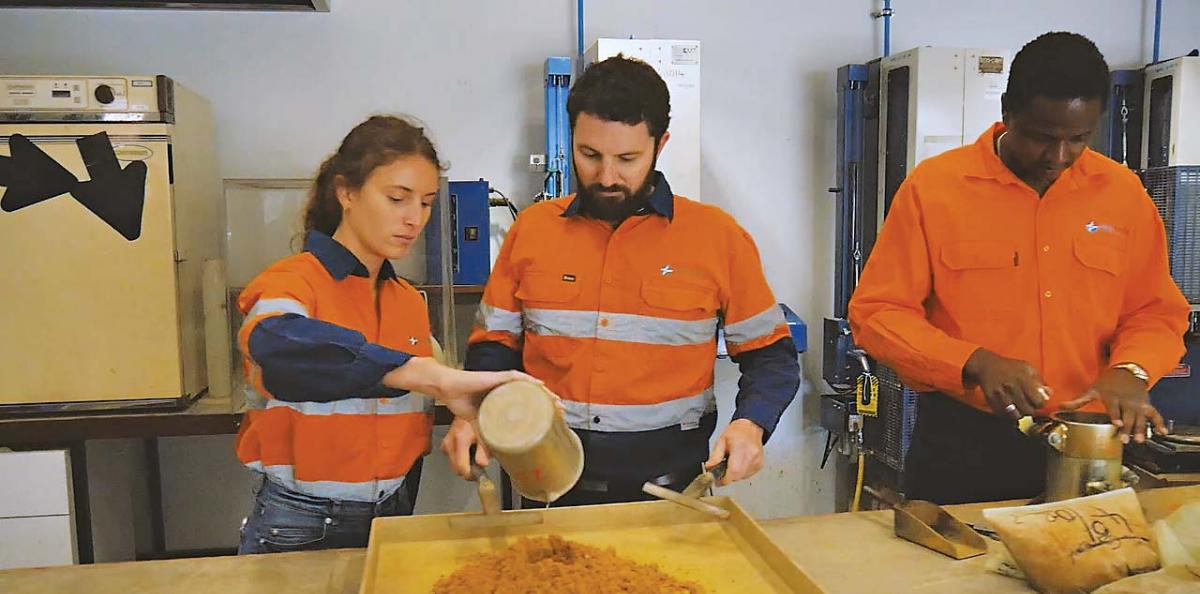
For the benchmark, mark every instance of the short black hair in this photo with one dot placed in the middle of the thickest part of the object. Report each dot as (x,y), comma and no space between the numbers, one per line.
(624,90)
(1057,65)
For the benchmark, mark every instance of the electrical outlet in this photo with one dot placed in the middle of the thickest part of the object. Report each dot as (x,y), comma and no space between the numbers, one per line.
(537,162)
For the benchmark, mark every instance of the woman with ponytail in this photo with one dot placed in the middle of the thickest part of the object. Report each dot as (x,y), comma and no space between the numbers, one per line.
(336,348)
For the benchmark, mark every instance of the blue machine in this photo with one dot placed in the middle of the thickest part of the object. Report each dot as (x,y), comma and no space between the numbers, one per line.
(470,245)
(857,207)
(886,433)
(558,128)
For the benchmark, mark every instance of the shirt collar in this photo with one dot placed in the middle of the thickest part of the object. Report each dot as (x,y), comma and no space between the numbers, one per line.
(988,165)
(338,260)
(661,201)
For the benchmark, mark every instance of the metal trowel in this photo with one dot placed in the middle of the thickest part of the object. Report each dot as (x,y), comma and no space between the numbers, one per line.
(689,497)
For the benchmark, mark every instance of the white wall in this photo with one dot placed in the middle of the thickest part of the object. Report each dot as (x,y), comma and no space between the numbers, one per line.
(286,87)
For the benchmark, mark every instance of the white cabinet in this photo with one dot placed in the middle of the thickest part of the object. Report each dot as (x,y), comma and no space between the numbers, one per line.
(37,526)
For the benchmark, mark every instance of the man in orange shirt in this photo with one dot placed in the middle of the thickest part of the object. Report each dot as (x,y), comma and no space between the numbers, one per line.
(613,297)
(1021,275)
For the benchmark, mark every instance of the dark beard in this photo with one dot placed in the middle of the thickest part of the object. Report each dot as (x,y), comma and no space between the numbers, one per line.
(614,210)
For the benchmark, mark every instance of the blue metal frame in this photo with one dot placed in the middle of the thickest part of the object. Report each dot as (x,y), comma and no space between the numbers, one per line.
(848,250)
(854,227)
(558,127)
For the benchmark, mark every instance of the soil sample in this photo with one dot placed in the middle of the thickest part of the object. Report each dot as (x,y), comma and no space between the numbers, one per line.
(554,565)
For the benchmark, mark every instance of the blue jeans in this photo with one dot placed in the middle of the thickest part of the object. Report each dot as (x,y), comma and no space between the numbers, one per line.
(283,520)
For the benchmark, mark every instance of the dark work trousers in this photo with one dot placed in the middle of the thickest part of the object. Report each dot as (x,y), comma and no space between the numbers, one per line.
(960,454)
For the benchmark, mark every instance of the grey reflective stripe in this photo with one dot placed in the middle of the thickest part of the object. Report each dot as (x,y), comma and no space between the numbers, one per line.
(652,330)
(562,322)
(276,306)
(408,403)
(620,327)
(684,412)
(755,327)
(494,319)
(367,491)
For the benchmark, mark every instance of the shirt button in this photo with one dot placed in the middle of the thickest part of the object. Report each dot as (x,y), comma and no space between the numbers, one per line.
(596,420)
(1045,248)
(608,281)
(1048,294)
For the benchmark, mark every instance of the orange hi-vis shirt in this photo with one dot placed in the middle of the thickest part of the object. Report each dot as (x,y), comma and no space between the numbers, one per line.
(622,324)
(315,348)
(1071,282)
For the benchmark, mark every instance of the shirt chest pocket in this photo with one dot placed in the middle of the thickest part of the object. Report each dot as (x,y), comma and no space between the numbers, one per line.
(981,276)
(1105,258)
(676,295)
(1099,284)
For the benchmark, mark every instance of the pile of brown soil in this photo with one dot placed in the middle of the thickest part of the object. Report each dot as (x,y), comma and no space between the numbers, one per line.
(554,565)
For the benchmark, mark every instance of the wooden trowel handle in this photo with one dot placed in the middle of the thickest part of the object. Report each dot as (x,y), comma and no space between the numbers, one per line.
(487,496)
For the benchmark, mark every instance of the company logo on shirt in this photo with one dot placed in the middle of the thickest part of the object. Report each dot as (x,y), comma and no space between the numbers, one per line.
(1093,227)
(665,270)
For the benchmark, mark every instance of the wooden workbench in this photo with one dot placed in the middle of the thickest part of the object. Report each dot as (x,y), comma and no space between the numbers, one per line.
(842,553)
(858,553)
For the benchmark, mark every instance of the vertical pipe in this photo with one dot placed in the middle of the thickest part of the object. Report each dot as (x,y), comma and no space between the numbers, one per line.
(887,27)
(579,37)
(1157,28)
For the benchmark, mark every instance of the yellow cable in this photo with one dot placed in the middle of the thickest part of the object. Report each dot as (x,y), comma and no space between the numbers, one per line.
(858,488)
